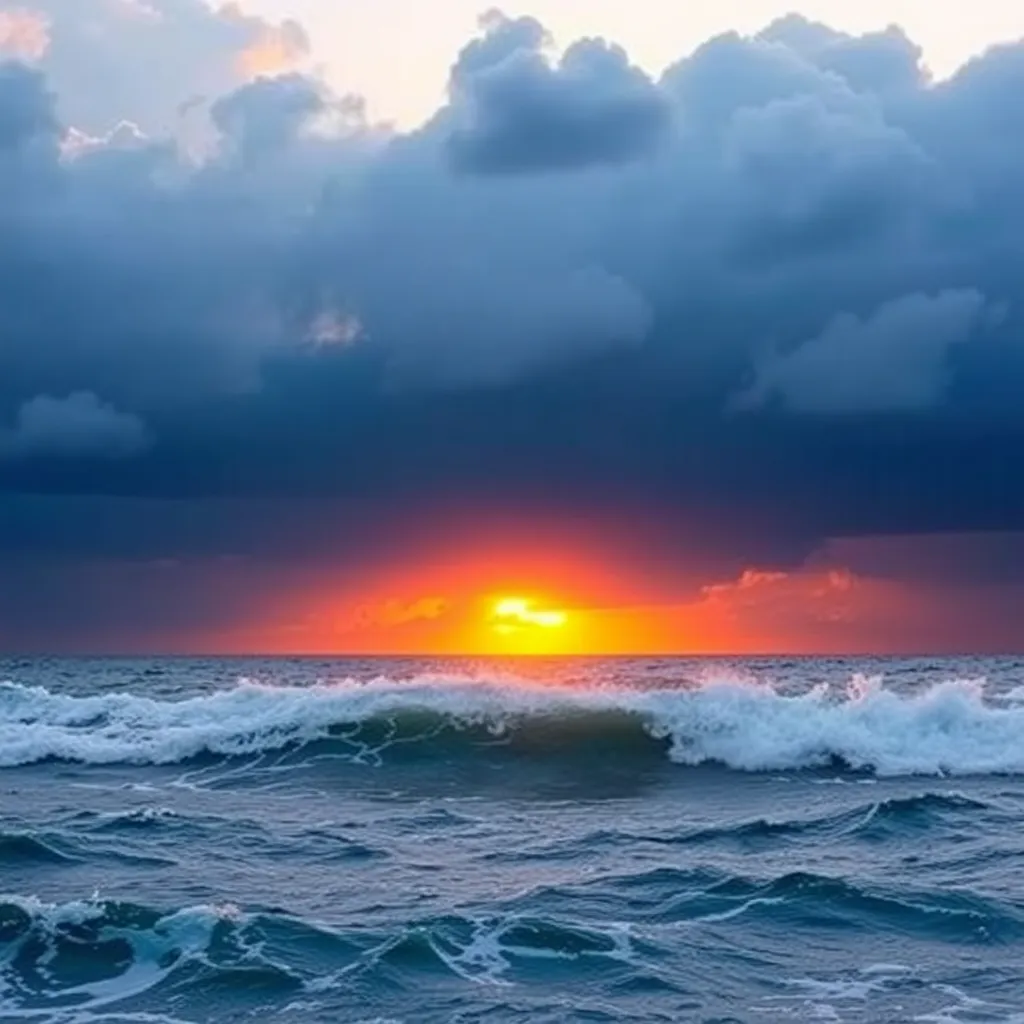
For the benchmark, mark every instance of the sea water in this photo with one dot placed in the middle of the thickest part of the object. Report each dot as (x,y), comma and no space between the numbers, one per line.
(577,840)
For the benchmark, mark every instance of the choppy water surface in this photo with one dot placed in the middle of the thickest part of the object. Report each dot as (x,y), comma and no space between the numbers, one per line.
(544,841)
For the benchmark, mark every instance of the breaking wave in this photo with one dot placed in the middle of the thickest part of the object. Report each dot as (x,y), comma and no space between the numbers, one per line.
(89,954)
(950,729)
(56,959)
(63,962)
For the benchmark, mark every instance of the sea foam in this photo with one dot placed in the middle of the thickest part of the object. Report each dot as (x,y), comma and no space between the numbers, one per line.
(950,729)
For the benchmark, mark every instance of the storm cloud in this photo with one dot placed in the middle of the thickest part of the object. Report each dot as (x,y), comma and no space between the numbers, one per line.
(772,293)
(78,425)
(896,360)
(520,113)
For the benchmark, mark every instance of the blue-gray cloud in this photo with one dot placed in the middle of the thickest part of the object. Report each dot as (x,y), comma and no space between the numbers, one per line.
(886,63)
(895,360)
(79,425)
(267,115)
(517,112)
(319,306)
(26,108)
(136,274)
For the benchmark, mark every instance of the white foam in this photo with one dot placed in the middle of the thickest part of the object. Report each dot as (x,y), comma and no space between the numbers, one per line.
(729,915)
(156,953)
(949,729)
(487,955)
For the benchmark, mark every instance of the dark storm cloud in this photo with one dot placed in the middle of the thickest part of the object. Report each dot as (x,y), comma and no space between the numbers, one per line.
(895,360)
(132,274)
(775,291)
(79,425)
(519,113)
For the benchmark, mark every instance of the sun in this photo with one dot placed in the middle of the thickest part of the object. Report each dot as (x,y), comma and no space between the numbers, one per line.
(521,617)
(511,614)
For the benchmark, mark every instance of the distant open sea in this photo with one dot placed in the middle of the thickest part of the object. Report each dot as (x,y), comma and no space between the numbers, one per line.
(542,841)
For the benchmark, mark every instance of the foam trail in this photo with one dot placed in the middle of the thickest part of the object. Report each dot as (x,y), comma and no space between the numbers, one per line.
(41,935)
(949,729)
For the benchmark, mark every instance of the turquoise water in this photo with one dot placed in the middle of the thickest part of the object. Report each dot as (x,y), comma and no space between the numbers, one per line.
(623,840)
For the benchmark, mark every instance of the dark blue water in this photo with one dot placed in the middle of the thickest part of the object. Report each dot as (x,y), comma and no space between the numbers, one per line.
(549,841)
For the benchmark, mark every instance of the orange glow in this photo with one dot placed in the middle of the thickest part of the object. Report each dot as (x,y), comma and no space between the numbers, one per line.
(550,595)
(277,49)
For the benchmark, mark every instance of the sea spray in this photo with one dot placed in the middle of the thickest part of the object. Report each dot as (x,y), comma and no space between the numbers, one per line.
(948,729)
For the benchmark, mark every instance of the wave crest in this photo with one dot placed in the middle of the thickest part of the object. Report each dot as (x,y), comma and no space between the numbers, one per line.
(950,729)
(88,954)
(25,848)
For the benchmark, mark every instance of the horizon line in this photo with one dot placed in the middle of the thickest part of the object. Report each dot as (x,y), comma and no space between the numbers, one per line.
(522,656)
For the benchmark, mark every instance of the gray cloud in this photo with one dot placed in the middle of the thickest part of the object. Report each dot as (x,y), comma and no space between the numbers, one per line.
(896,360)
(26,109)
(884,63)
(267,115)
(330,326)
(501,37)
(79,425)
(517,112)
(812,176)
(731,72)
(789,186)
(138,275)
(321,304)
(534,321)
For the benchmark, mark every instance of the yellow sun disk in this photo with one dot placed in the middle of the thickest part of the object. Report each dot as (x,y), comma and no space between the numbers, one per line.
(516,611)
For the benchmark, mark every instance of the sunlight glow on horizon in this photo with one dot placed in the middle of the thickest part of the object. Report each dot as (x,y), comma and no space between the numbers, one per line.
(494,597)
(563,590)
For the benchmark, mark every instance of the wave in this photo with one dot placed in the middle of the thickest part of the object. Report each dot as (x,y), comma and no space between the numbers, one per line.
(796,900)
(82,956)
(895,819)
(951,729)
(66,961)
(807,898)
(137,818)
(85,955)
(488,949)
(25,848)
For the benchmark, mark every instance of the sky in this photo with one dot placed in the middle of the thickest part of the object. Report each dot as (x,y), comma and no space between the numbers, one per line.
(397,52)
(340,327)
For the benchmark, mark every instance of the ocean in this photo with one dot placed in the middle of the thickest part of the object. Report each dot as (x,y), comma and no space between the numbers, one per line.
(545,841)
